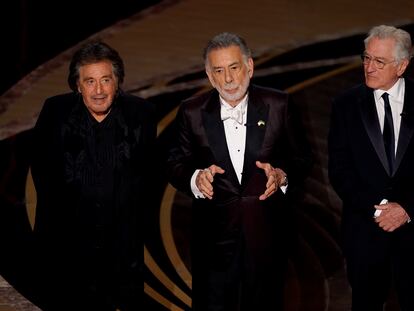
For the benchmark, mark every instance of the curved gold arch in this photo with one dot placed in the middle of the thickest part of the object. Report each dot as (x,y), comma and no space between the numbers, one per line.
(164,279)
(168,237)
(160,299)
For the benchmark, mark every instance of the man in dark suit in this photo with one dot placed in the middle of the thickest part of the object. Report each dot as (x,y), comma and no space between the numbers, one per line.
(236,146)
(371,167)
(90,169)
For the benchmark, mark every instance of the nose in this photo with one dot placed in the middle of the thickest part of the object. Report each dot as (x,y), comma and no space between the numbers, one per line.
(370,67)
(98,88)
(228,77)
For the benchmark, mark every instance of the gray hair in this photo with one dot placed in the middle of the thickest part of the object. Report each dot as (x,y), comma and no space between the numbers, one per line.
(224,40)
(403,47)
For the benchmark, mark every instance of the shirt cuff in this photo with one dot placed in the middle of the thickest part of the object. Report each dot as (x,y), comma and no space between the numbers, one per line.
(194,189)
(378,211)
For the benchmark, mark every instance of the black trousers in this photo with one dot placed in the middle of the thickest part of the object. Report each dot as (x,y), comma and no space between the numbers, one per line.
(376,261)
(237,277)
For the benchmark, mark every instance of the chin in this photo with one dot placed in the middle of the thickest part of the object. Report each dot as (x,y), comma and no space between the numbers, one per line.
(371,84)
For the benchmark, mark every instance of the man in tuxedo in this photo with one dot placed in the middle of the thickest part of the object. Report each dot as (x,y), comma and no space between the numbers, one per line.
(371,166)
(236,146)
(90,167)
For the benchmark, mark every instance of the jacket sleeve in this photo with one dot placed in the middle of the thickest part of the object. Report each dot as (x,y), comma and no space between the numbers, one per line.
(180,163)
(342,172)
(300,158)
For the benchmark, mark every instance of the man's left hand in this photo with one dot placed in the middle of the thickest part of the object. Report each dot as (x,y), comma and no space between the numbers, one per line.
(392,216)
(275,178)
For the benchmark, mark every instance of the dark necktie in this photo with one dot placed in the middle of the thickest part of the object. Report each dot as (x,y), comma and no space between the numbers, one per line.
(388,133)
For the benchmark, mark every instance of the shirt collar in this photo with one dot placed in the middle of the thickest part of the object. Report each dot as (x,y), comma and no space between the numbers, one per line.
(242,105)
(396,91)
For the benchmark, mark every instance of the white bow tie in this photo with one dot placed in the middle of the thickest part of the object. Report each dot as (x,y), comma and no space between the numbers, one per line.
(232,113)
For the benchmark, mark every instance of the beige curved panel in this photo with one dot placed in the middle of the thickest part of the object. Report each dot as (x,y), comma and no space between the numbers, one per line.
(31,199)
(327,75)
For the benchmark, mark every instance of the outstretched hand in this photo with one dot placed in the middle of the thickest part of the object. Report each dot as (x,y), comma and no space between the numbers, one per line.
(276,177)
(205,178)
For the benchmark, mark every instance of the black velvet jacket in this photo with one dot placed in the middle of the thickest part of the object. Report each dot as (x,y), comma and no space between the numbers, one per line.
(90,198)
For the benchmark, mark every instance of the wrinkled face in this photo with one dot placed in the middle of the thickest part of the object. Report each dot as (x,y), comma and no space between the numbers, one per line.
(229,72)
(382,50)
(98,85)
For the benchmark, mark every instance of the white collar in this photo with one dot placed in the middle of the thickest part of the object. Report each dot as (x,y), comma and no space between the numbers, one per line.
(395,91)
(242,105)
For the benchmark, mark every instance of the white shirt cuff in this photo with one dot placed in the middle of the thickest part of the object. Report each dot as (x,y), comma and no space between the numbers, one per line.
(197,193)
(378,211)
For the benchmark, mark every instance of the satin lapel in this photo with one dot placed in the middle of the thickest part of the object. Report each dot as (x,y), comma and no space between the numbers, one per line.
(257,115)
(370,118)
(407,123)
(214,128)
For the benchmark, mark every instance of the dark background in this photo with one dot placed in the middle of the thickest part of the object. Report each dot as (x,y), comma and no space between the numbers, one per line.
(36,31)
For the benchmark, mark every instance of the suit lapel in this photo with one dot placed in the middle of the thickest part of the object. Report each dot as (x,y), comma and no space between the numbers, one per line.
(257,115)
(369,117)
(214,128)
(407,123)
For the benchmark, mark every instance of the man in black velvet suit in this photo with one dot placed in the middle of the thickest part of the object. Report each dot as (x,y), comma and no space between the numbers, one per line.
(236,146)
(90,169)
(371,167)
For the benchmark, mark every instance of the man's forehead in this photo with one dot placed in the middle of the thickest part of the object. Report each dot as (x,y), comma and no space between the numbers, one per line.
(225,56)
(380,47)
(98,68)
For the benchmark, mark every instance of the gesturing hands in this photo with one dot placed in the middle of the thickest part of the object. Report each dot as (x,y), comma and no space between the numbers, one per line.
(205,179)
(392,216)
(275,179)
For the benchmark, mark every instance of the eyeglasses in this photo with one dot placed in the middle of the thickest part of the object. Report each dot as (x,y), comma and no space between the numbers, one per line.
(378,63)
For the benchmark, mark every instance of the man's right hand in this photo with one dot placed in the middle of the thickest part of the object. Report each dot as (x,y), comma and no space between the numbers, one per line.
(205,179)
(392,217)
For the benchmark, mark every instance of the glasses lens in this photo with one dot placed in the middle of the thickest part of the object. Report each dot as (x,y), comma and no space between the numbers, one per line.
(379,64)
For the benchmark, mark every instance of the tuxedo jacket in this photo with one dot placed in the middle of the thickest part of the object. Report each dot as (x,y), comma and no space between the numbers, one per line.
(61,229)
(273,135)
(358,167)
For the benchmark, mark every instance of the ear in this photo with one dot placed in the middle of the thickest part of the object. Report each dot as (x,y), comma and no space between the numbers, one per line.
(79,89)
(402,66)
(250,67)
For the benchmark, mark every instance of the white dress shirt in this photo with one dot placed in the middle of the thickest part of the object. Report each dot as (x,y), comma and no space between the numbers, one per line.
(236,134)
(396,98)
(235,137)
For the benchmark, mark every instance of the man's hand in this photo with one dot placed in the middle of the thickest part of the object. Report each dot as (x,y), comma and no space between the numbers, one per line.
(275,178)
(205,179)
(392,216)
